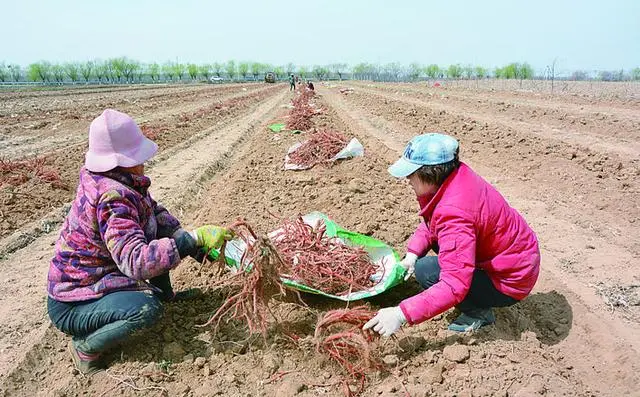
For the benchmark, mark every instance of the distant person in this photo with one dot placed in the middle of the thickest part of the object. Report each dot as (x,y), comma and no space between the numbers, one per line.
(292,83)
(487,255)
(110,270)
(310,86)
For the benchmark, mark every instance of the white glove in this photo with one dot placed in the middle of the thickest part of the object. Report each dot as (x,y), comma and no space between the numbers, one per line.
(387,321)
(409,264)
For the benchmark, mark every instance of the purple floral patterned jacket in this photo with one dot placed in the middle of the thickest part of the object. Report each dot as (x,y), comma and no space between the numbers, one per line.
(114,238)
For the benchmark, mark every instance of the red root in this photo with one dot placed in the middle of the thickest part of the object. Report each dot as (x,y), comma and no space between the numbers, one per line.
(320,147)
(339,336)
(302,112)
(322,262)
(19,172)
(256,282)
(153,131)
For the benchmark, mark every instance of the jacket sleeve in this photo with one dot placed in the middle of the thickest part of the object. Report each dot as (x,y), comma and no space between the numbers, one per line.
(119,227)
(456,258)
(420,241)
(167,223)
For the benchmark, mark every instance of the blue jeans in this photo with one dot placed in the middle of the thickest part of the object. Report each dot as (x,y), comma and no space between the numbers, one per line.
(482,294)
(99,324)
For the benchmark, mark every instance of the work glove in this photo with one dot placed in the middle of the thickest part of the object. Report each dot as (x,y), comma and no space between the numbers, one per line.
(387,322)
(211,237)
(409,264)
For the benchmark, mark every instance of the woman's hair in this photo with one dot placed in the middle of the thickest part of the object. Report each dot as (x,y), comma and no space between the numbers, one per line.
(437,174)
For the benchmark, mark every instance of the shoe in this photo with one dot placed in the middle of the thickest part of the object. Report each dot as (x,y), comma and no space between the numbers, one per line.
(473,320)
(87,364)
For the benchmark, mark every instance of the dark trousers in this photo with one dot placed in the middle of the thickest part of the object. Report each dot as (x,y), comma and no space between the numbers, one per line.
(99,324)
(481,295)
(292,86)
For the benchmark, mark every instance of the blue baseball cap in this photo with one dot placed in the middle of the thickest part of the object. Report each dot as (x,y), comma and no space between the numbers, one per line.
(426,149)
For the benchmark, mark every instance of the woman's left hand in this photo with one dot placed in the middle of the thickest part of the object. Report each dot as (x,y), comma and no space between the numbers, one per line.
(211,237)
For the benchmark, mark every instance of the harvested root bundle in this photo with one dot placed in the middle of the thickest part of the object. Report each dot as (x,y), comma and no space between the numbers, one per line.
(18,172)
(339,336)
(256,282)
(322,262)
(300,115)
(153,131)
(320,147)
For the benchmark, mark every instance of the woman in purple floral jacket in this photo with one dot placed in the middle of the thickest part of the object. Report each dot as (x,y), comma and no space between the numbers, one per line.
(112,259)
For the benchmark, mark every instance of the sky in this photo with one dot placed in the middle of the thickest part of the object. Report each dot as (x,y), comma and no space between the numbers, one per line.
(579,34)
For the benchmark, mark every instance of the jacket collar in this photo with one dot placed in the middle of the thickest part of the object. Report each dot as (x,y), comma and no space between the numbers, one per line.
(139,183)
(429,202)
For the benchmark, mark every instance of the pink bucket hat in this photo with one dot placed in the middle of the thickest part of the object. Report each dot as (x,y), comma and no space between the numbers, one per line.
(116,140)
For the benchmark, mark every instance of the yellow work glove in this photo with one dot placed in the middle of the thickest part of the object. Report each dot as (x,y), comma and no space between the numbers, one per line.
(211,237)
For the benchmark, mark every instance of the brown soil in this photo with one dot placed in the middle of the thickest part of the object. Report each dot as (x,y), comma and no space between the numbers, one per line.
(562,340)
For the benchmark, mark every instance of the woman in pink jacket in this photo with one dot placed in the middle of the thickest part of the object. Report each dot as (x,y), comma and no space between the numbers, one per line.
(487,255)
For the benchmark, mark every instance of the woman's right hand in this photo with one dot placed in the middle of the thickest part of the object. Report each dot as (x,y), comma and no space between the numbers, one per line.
(409,264)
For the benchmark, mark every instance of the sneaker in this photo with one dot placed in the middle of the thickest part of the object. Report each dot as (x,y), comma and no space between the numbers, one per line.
(87,364)
(473,320)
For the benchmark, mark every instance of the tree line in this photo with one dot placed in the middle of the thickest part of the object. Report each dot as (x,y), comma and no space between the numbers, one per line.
(125,70)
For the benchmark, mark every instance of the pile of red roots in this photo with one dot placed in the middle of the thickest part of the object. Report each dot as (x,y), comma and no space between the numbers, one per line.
(300,115)
(18,172)
(339,336)
(322,262)
(320,147)
(255,283)
(153,131)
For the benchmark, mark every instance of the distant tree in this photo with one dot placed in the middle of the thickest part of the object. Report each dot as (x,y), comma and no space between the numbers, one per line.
(192,69)
(243,69)
(454,71)
(131,69)
(101,70)
(279,71)
(4,72)
(524,71)
(39,71)
(217,68)
(302,71)
(86,69)
(179,70)
(205,71)
(551,72)
(230,68)
(15,71)
(57,70)
(393,70)
(115,68)
(635,74)
(415,70)
(256,69)
(320,72)
(154,71)
(72,70)
(169,71)
(579,75)
(480,72)
(366,71)
(359,70)
(467,71)
(338,68)
(290,68)
(432,71)
(139,72)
